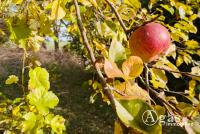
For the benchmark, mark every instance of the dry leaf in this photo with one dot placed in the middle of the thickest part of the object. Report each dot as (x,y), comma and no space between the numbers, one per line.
(112,70)
(133,66)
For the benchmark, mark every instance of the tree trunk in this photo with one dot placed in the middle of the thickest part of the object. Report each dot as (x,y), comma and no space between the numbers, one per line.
(56,46)
(56,42)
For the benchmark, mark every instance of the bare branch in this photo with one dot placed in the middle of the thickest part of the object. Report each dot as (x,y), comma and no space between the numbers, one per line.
(172,71)
(117,15)
(106,88)
(66,25)
(147,77)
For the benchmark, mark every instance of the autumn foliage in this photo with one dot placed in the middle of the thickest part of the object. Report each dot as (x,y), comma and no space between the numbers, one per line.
(118,40)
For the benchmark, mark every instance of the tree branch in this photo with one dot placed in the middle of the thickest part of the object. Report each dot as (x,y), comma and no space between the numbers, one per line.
(172,71)
(118,16)
(63,22)
(147,77)
(137,26)
(106,88)
(163,101)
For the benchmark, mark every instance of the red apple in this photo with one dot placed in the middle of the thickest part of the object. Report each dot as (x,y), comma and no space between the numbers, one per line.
(149,41)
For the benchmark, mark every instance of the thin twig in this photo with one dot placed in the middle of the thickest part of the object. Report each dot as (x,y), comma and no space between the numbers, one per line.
(172,71)
(195,49)
(137,26)
(106,90)
(164,102)
(63,22)
(118,16)
(147,77)
(117,91)
(23,70)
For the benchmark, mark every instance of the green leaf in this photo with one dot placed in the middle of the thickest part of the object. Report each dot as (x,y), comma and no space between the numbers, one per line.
(12,79)
(104,30)
(18,30)
(131,113)
(117,52)
(43,100)
(29,123)
(39,78)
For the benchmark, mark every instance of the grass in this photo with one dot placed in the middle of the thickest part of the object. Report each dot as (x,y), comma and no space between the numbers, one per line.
(67,77)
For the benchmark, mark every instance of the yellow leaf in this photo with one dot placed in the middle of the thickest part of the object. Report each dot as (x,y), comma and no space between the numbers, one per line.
(186,26)
(198,52)
(133,66)
(133,3)
(85,2)
(192,44)
(196,71)
(192,85)
(94,3)
(179,60)
(171,51)
(102,48)
(159,78)
(187,58)
(15,111)
(159,110)
(17,1)
(112,70)
(132,91)
(57,12)
(166,64)
(193,17)
(12,79)
(118,128)
(177,34)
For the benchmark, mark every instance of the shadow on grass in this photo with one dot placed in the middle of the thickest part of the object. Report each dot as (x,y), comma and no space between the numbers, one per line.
(66,81)
(83,117)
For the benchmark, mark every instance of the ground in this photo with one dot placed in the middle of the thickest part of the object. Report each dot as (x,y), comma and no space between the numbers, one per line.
(67,76)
